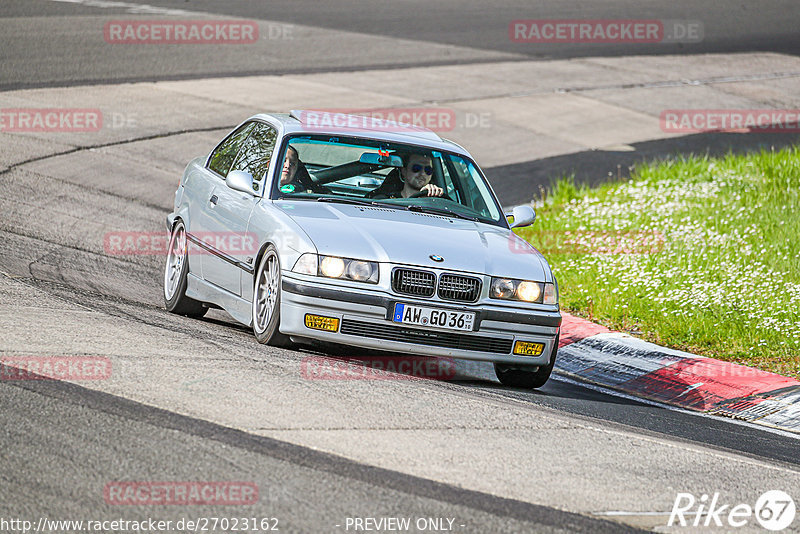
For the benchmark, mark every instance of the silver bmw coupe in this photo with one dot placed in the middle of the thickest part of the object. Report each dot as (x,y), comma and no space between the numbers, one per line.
(357,231)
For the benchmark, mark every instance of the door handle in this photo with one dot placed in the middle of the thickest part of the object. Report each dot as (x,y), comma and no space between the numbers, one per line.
(213,200)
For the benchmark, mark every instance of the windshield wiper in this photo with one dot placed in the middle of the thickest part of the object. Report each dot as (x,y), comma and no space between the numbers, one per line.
(440,211)
(357,201)
(343,200)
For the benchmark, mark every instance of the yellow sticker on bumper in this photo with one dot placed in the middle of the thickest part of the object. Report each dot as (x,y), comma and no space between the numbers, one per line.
(528,348)
(318,322)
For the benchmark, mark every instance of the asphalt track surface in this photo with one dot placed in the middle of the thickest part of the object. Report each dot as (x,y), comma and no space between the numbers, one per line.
(81,437)
(61,442)
(34,53)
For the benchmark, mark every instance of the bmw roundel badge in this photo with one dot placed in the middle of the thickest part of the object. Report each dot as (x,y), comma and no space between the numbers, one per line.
(436,258)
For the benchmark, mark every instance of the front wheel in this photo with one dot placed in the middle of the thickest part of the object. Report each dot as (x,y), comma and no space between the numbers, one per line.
(517,377)
(175,273)
(267,301)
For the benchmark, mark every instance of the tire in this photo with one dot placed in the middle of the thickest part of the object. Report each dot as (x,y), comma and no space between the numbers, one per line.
(517,377)
(175,273)
(266,308)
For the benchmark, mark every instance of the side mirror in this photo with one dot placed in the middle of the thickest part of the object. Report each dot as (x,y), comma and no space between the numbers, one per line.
(523,216)
(240,181)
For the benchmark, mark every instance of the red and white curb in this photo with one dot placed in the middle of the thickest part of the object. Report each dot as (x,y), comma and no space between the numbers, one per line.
(591,353)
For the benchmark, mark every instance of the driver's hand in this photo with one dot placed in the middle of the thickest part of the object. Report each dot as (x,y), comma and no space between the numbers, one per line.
(433,190)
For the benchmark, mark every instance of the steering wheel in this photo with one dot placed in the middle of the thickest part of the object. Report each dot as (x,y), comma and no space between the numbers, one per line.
(420,194)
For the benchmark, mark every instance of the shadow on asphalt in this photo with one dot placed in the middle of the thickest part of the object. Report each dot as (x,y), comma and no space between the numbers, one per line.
(342,362)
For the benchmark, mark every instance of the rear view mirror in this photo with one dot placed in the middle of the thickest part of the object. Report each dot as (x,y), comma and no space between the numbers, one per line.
(522,215)
(373,158)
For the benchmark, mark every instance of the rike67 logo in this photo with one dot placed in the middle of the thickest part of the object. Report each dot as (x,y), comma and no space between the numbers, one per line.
(774,510)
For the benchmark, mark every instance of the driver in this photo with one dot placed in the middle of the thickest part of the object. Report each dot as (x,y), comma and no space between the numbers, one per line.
(415,177)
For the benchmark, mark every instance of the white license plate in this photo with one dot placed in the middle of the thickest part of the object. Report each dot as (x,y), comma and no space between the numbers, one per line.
(433,317)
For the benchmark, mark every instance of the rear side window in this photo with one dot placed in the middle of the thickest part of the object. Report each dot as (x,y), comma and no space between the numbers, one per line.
(257,151)
(225,154)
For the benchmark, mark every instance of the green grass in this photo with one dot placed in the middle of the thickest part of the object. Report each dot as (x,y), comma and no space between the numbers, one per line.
(699,254)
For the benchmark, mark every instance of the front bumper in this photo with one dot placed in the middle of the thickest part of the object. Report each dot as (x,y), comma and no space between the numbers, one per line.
(365,321)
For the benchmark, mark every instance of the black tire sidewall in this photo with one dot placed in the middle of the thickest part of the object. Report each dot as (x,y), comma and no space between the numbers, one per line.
(527,379)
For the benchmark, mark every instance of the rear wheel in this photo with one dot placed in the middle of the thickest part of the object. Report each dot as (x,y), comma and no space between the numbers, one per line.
(517,376)
(175,273)
(267,301)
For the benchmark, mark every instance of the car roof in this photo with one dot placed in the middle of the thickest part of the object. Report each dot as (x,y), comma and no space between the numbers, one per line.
(323,122)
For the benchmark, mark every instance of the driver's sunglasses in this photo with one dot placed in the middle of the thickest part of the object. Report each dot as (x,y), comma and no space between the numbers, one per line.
(417,167)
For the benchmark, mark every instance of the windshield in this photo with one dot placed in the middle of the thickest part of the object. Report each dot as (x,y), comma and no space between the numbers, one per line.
(344,169)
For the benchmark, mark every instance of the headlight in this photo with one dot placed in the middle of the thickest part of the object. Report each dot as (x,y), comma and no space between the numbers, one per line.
(523,290)
(528,291)
(336,267)
(359,270)
(331,266)
(502,288)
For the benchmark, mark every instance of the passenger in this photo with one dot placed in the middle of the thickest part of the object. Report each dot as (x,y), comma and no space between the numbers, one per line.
(413,178)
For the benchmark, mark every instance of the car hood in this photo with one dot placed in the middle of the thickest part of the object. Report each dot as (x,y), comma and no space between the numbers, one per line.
(411,238)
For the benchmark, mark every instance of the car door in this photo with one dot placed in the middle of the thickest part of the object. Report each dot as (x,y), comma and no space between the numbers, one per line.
(199,190)
(228,217)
